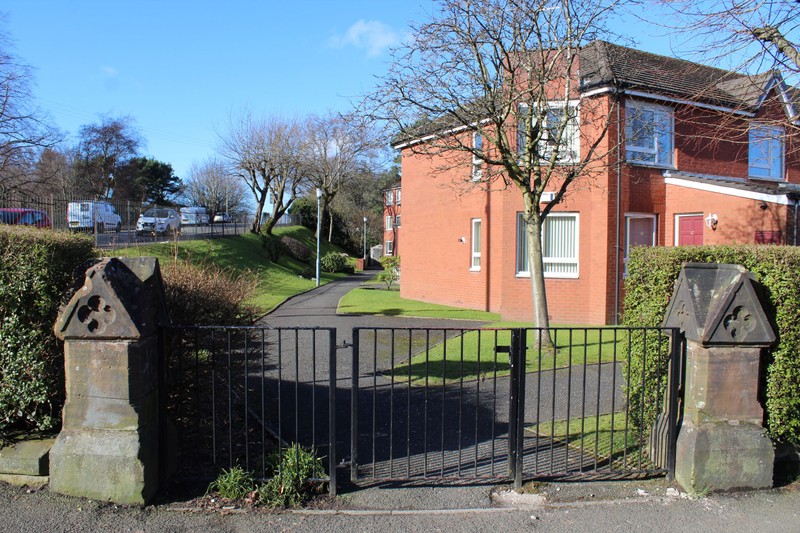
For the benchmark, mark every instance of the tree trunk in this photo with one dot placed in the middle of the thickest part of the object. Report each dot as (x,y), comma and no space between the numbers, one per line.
(262,199)
(536,268)
(330,223)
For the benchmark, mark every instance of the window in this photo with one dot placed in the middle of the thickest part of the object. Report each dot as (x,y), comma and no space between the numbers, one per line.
(766,152)
(475,261)
(477,145)
(397,221)
(567,140)
(397,196)
(570,139)
(640,230)
(389,198)
(559,246)
(649,134)
(388,222)
(388,250)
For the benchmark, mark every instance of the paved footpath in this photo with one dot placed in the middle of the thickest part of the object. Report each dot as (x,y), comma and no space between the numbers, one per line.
(595,507)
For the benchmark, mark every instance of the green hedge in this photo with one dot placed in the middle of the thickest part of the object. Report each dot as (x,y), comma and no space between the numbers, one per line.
(38,270)
(651,276)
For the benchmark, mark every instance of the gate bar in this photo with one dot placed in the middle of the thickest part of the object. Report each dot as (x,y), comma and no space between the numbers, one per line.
(519,348)
(354,408)
(675,381)
(332,411)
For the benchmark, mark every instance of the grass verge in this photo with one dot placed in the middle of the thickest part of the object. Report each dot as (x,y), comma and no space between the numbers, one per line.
(244,253)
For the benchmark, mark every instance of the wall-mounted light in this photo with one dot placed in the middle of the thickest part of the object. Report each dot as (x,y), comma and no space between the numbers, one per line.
(462,239)
(711,221)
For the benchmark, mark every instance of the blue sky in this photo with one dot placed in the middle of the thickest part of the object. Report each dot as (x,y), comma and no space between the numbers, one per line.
(179,68)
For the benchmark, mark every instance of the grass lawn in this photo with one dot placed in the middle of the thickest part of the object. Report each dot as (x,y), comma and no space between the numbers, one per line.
(374,299)
(605,438)
(472,354)
(244,253)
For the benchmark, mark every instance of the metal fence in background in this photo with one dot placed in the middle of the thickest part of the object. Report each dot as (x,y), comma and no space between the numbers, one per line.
(121,234)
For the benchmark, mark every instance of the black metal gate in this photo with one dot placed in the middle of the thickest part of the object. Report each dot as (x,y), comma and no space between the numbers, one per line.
(427,404)
(508,404)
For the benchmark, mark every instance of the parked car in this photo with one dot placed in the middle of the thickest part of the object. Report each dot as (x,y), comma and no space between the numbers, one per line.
(25,217)
(222,217)
(159,221)
(194,216)
(89,215)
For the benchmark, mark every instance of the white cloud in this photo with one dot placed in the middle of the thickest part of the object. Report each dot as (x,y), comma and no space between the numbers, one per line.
(111,72)
(372,35)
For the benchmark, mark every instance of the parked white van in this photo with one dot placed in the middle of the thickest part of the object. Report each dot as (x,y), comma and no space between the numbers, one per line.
(88,215)
(194,216)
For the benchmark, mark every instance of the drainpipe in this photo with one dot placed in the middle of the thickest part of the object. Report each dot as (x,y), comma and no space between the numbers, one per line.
(616,238)
(795,197)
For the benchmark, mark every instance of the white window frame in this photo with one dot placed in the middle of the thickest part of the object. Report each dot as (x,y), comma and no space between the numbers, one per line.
(475,245)
(397,221)
(772,138)
(397,196)
(523,268)
(477,171)
(570,152)
(388,248)
(389,198)
(650,153)
(628,218)
(388,223)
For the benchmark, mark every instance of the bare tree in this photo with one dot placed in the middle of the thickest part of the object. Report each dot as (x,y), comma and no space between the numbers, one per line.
(211,185)
(24,129)
(337,148)
(103,149)
(743,35)
(495,83)
(267,154)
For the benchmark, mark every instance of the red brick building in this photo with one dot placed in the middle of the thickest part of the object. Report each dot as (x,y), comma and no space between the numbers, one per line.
(696,155)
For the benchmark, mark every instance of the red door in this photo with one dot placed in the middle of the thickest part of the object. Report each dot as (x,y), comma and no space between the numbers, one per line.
(690,230)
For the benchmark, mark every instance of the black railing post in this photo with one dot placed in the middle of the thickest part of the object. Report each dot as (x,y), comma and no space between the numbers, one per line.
(519,347)
(332,411)
(675,386)
(512,407)
(354,409)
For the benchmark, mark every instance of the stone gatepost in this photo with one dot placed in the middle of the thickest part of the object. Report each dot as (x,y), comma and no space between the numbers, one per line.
(722,443)
(108,448)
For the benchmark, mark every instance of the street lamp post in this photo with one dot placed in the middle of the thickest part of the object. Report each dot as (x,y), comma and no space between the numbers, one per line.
(365,242)
(319,226)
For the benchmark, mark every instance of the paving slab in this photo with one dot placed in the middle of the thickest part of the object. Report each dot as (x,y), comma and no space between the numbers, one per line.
(27,458)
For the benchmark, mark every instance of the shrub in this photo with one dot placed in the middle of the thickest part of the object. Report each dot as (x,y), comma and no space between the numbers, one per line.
(391,270)
(208,295)
(296,249)
(291,472)
(38,271)
(648,289)
(273,246)
(333,262)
